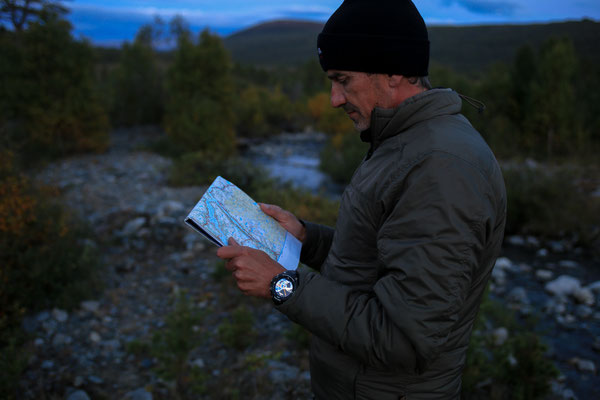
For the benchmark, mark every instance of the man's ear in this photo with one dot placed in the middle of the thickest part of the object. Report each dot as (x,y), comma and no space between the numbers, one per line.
(395,81)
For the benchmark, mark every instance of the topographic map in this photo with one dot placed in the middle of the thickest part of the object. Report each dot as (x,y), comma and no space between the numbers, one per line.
(225,211)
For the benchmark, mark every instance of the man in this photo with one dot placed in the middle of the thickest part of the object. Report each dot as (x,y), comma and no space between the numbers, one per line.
(419,227)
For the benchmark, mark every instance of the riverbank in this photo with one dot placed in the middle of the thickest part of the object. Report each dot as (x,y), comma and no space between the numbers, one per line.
(104,348)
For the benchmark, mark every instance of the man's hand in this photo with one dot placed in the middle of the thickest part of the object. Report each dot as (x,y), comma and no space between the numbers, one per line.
(252,269)
(286,219)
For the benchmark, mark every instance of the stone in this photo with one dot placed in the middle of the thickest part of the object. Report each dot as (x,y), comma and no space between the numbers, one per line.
(90,306)
(197,363)
(61,339)
(133,226)
(568,264)
(38,342)
(503,263)
(532,241)
(499,276)
(500,336)
(584,312)
(60,315)
(48,364)
(169,207)
(516,240)
(557,247)
(542,253)
(95,379)
(138,394)
(594,287)
(512,361)
(564,285)
(518,295)
(281,372)
(544,275)
(568,394)
(78,395)
(78,381)
(586,366)
(584,296)
(95,337)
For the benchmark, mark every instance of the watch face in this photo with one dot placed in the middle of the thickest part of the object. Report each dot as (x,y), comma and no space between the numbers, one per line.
(284,287)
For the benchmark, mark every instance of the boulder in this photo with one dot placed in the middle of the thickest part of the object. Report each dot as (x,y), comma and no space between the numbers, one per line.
(564,285)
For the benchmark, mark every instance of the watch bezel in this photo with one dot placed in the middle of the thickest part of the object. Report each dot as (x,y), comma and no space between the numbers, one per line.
(291,276)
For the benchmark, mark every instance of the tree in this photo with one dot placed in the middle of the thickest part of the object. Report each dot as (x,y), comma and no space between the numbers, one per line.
(138,89)
(48,101)
(199,112)
(553,124)
(19,13)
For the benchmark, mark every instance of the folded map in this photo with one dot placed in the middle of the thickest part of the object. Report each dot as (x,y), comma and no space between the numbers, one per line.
(225,211)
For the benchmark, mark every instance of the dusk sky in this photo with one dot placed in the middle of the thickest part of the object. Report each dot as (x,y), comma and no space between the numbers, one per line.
(110,22)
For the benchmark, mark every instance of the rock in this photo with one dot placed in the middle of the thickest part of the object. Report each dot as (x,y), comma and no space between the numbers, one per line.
(111,345)
(594,287)
(48,364)
(78,395)
(281,372)
(499,276)
(95,337)
(503,263)
(95,379)
(170,207)
(583,365)
(61,340)
(518,295)
(542,253)
(138,394)
(532,241)
(78,381)
(584,312)
(197,363)
(564,285)
(512,360)
(38,342)
(568,394)
(60,315)
(42,316)
(568,264)
(133,226)
(500,336)
(90,306)
(544,275)
(584,296)
(557,247)
(516,240)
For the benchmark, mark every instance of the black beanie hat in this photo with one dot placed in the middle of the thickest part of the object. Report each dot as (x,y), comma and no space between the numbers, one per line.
(377,36)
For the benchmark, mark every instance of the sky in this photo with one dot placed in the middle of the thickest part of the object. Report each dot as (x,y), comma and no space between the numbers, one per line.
(110,22)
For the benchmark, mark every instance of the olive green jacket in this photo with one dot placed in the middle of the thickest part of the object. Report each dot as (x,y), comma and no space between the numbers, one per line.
(402,275)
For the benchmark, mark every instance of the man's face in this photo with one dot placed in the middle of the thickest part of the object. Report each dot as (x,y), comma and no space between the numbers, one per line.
(358,93)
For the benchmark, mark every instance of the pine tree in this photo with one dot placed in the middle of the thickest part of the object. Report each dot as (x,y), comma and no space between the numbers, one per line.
(199,114)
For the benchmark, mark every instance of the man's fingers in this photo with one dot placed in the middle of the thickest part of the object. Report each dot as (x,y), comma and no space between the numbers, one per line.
(231,251)
(271,210)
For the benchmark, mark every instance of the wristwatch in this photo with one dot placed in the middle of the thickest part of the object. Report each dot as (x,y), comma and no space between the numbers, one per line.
(283,286)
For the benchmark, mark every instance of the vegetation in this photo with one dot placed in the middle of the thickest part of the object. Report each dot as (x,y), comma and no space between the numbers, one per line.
(46,261)
(516,368)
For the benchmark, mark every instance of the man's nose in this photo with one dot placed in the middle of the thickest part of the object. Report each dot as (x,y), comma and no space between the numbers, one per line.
(337,96)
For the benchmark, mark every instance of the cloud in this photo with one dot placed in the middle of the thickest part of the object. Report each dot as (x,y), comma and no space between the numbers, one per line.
(490,7)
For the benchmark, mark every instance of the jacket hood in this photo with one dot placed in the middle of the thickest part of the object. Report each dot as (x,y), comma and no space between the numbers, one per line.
(429,104)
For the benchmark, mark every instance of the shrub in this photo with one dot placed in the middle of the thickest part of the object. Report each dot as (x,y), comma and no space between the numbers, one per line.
(517,369)
(238,332)
(342,155)
(172,345)
(552,203)
(262,112)
(44,262)
(327,119)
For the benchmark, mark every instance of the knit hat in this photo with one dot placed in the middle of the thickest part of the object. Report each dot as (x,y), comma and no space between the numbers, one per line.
(377,36)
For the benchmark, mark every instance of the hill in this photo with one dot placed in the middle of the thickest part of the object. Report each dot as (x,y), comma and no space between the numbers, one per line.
(464,48)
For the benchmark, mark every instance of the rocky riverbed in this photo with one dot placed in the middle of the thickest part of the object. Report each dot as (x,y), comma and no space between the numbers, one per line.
(150,257)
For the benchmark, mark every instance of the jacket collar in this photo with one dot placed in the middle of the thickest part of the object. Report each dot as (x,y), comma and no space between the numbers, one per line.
(431,103)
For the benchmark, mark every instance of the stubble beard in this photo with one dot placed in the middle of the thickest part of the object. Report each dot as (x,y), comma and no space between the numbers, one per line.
(361,123)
